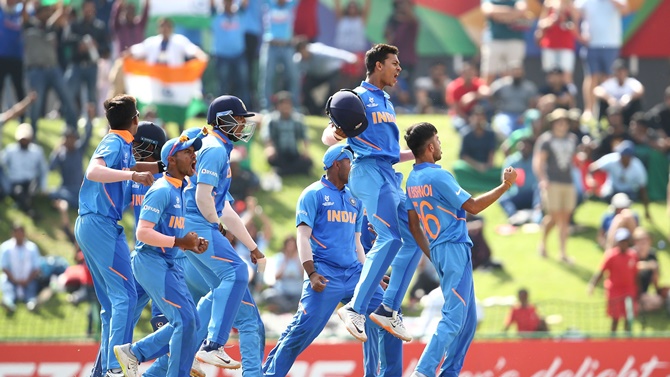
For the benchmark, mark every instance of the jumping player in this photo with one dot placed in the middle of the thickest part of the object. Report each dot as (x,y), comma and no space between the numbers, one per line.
(159,239)
(437,203)
(101,238)
(373,181)
(328,220)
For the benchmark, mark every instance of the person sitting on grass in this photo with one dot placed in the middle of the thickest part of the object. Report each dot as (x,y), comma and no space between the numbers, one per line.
(525,316)
(648,273)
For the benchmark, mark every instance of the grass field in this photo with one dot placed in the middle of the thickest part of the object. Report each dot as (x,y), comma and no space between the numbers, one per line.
(558,289)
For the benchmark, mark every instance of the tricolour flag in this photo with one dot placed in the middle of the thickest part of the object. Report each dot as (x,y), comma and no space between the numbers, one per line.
(169,89)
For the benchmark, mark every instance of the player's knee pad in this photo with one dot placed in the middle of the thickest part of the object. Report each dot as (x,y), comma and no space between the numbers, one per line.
(158,321)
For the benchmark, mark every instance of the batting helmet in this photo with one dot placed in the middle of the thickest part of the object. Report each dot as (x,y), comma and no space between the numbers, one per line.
(347,112)
(221,115)
(149,140)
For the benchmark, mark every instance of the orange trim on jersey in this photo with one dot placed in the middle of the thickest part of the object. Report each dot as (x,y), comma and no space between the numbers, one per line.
(382,220)
(118,273)
(172,180)
(368,143)
(172,303)
(220,137)
(302,307)
(317,241)
(125,135)
(108,197)
(248,303)
(451,213)
(162,248)
(459,296)
(223,259)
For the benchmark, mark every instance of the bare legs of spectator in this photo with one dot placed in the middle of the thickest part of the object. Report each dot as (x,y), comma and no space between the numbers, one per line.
(562,221)
(590,82)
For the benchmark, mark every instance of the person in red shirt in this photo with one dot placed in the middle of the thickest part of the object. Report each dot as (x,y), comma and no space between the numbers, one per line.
(463,94)
(556,33)
(620,262)
(525,316)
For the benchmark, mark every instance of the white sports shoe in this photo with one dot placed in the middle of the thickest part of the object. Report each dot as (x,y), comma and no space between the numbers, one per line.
(354,322)
(196,369)
(127,360)
(391,322)
(112,374)
(217,358)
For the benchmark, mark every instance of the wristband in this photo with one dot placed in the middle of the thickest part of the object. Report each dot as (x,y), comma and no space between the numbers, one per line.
(161,166)
(508,183)
(311,273)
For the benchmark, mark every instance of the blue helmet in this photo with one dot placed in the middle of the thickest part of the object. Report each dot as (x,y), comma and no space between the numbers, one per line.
(149,141)
(347,112)
(221,115)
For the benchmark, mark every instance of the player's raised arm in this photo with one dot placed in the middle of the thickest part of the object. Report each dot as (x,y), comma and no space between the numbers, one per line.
(480,203)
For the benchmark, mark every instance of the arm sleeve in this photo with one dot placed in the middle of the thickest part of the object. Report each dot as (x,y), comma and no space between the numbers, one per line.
(205,202)
(306,209)
(234,223)
(304,232)
(150,236)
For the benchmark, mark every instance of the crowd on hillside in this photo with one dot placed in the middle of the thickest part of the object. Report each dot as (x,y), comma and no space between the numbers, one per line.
(266,53)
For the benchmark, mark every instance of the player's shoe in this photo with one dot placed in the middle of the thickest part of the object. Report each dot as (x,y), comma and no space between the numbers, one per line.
(112,374)
(417,374)
(127,360)
(196,369)
(217,358)
(391,322)
(354,322)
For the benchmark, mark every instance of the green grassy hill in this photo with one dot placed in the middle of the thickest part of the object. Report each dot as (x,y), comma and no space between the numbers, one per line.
(559,290)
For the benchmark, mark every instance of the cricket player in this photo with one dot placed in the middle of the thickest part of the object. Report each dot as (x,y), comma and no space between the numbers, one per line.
(328,220)
(101,238)
(438,204)
(160,236)
(373,181)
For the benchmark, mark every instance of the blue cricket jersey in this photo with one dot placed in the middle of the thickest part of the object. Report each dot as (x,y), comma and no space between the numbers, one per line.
(212,168)
(137,193)
(381,138)
(163,206)
(109,199)
(278,20)
(334,216)
(437,199)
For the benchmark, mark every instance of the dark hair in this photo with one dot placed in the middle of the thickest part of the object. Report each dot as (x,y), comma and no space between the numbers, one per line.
(378,53)
(120,111)
(283,96)
(641,118)
(165,20)
(418,135)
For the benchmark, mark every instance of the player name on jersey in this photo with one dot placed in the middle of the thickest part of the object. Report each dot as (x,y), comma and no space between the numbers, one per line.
(423,191)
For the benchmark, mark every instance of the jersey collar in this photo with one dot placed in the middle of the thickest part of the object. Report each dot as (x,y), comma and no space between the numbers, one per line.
(425,165)
(125,135)
(221,136)
(372,88)
(173,181)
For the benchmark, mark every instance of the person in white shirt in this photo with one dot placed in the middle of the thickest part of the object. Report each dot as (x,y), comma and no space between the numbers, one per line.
(26,169)
(19,259)
(621,90)
(167,47)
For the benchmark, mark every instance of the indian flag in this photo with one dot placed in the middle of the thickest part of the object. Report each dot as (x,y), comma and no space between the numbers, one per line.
(193,14)
(170,89)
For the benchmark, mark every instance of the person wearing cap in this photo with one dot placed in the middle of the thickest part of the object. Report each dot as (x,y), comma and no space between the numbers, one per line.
(161,235)
(328,221)
(373,135)
(619,215)
(620,90)
(208,206)
(25,168)
(625,173)
(102,199)
(565,92)
(552,165)
(620,263)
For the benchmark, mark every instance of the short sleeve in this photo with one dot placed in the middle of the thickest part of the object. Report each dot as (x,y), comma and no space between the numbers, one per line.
(154,204)
(229,198)
(606,162)
(449,190)
(209,167)
(34,256)
(306,208)
(607,261)
(641,172)
(109,150)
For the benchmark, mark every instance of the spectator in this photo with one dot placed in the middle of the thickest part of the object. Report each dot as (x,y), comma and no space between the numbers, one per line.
(512,95)
(625,173)
(602,36)
(522,202)
(620,263)
(532,129)
(619,215)
(557,30)
(20,261)
(243,183)
(128,28)
(660,115)
(277,50)
(503,48)
(11,48)
(525,316)
(614,134)
(228,48)
(564,91)
(283,132)
(552,165)
(474,170)
(463,94)
(26,169)
(67,159)
(285,293)
(648,272)
(306,22)
(580,130)
(651,149)
(481,251)
(620,90)
(260,229)
(350,35)
(89,41)
(41,61)
(430,91)
(253,29)
(320,64)
(104,11)
(402,30)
